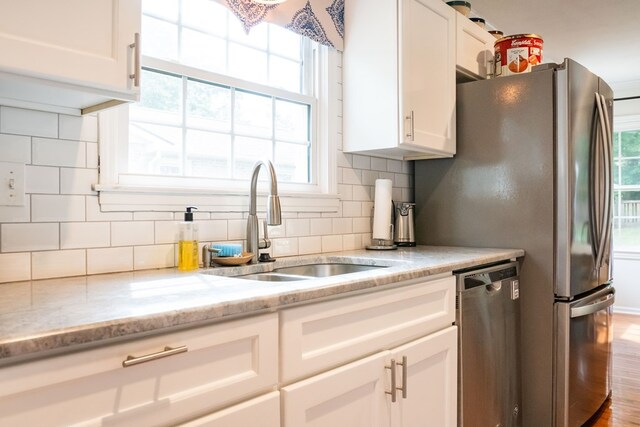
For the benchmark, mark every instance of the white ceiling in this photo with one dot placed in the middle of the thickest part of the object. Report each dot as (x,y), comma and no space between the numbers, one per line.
(603,35)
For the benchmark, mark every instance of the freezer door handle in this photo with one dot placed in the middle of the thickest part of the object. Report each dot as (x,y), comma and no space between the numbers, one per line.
(594,307)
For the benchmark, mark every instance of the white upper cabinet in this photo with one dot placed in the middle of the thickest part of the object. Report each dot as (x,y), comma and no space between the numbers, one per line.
(399,78)
(474,50)
(68,55)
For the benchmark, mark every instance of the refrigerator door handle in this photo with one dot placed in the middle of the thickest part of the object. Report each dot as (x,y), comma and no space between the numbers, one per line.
(594,202)
(594,307)
(602,220)
(609,176)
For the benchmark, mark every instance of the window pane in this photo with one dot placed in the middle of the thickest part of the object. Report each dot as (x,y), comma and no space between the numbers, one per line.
(161,38)
(208,106)
(626,233)
(292,121)
(284,42)
(253,114)
(205,15)
(616,137)
(616,200)
(160,99)
(247,63)
(203,51)
(285,74)
(257,37)
(631,143)
(167,9)
(630,171)
(616,172)
(155,149)
(247,152)
(208,154)
(291,162)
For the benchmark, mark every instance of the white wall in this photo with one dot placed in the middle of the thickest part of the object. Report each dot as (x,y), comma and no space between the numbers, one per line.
(62,232)
(626,280)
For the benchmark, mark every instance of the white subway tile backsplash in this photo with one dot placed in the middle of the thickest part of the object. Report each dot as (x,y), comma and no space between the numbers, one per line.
(362,225)
(407,167)
(362,193)
(351,209)
(378,164)
(369,177)
(153,216)
(57,152)
(158,256)
(309,245)
(396,193)
(345,192)
(77,181)
(274,230)
(237,228)
(407,194)
(197,216)
(401,180)
(83,128)
(29,237)
(109,260)
(320,226)
(78,235)
(167,231)
(15,267)
(95,214)
(351,242)
(342,225)
(285,247)
(28,122)
(58,264)
(57,208)
(16,213)
(351,176)
(367,209)
(212,230)
(394,166)
(387,175)
(331,243)
(361,162)
(14,148)
(92,155)
(297,227)
(344,160)
(131,233)
(42,180)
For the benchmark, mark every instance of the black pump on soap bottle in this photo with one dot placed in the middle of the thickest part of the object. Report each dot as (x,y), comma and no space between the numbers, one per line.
(188,243)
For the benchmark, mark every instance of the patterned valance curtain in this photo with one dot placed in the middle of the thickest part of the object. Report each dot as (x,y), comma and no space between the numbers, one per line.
(320,20)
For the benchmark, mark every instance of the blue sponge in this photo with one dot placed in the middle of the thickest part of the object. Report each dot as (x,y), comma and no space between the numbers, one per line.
(227,249)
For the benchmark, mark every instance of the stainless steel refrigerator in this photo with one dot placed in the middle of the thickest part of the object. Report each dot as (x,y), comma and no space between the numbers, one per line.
(533,171)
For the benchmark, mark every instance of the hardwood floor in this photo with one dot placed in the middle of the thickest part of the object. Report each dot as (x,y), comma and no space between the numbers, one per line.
(623,409)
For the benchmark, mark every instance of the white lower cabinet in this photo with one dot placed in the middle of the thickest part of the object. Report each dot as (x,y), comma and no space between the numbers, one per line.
(263,411)
(359,394)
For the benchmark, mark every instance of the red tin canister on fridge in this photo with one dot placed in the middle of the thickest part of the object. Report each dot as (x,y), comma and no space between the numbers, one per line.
(517,54)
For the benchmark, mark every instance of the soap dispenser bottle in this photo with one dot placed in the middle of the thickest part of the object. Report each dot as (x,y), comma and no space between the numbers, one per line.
(188,243)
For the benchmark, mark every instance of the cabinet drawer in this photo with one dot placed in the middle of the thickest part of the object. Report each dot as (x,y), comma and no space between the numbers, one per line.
(316,337)
(263,411)
(225,363)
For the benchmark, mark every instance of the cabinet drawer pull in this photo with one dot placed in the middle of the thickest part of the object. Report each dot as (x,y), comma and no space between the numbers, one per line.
(393,381)
(168,351)
(404,376)
(136,60)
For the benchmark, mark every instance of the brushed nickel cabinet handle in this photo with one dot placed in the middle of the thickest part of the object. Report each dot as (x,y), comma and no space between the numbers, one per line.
(136,60)
(168,351)
(393,381)
(404,376)
(410,133)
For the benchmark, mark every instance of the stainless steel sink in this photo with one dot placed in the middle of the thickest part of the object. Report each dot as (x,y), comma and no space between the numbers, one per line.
(306,272)
(325,270)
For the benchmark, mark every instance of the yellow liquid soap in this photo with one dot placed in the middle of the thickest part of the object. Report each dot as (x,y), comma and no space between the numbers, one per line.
(188,255)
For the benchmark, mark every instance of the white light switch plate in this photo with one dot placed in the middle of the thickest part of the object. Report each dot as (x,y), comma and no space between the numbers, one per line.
(11,184)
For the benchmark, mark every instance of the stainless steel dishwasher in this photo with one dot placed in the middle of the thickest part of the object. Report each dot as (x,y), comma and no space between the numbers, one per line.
(488,318)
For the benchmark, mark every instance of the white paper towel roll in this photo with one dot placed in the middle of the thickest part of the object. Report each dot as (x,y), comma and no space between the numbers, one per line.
(382,210)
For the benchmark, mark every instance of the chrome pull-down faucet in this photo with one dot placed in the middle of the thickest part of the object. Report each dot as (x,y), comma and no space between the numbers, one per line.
(274,216)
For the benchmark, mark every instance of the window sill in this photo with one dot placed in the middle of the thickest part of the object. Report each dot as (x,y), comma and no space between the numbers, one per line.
(136,198)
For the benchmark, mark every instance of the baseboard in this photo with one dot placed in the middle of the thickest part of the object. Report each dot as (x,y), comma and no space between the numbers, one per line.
(626,310)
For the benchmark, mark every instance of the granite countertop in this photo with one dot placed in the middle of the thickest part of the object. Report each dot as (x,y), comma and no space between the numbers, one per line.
(51,316)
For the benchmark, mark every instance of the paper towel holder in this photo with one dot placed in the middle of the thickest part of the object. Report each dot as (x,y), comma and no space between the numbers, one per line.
(383,244)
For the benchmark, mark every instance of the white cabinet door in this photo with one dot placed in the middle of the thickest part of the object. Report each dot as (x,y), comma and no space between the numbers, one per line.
(474,51)
(431,381)
(399,63)
(428,88)
(352,395)
(263,411)
(68,56)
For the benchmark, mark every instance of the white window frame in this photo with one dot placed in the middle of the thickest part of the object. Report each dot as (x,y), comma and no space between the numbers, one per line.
(621,124)
(320,196)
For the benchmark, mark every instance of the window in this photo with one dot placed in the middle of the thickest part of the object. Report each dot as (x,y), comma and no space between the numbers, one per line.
(626,151)
(214,100)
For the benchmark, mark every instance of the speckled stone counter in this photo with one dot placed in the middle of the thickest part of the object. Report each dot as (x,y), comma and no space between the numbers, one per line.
(51,316)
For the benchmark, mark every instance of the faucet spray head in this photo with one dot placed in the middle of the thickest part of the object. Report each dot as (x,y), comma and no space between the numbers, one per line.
(274,213)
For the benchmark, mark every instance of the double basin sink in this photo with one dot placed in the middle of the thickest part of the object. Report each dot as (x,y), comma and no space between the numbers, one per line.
(306,272)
